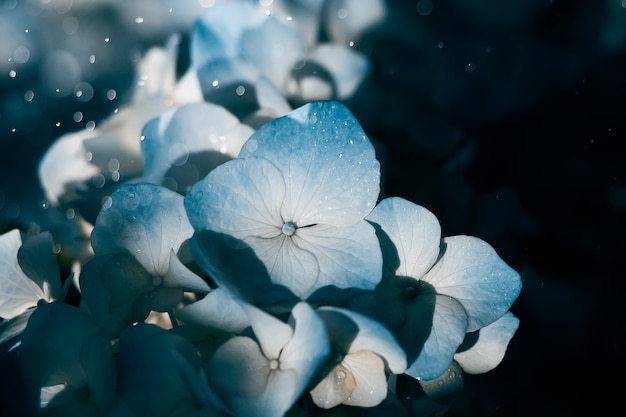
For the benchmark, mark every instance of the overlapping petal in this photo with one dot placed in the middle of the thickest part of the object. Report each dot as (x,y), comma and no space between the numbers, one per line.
(487,348)
(472,272)
(186,143)
(28,272)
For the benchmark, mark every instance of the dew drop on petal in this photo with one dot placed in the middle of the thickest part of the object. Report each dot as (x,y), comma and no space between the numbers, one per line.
(107,203)
(240,90)
(92,59)
(78,116)
(340,375)
(139,19)
(29,95)
(91,125)
(111,94)
(12,74)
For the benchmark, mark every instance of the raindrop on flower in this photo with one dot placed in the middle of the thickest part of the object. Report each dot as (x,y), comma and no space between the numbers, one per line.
(340,375)
(240,90)
(29,95)
(106,39)
(91,125)
(92,59)
(12,74)
(215,83)
(70,213)
(78,116)
(139,19)
(57,124)
(342,13)
(111,94)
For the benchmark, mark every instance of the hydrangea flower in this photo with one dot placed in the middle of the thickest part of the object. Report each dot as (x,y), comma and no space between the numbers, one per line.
(363,351)
(434,291)
(80,164)
(265,375)
(136,239)
(296,196)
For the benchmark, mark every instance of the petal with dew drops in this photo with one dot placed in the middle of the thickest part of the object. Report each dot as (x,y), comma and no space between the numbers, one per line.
(329,164)
(240,198)
(17,291)
(145,220)
(487,348)
(371,382)
(335,388)
(472,272)
(414,233)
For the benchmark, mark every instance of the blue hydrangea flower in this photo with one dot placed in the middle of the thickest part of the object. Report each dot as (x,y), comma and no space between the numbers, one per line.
(296,196)
(434,291)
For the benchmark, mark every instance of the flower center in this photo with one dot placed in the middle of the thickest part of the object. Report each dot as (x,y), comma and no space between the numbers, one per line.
(274,364)
(289,228)
(157,280)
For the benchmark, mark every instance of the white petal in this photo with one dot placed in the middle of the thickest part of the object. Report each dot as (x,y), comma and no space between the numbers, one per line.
(144,220)
(414,235)
(335,388)
(489,348)
(345,67)
(271,333)
(328,163)
(347,257)
(218,310)
(179,276)
(308,348)
(65,168)
(371,382)
(473,273)
(239,369)
(202,134)
(17,291)
(240,198)
(370,336)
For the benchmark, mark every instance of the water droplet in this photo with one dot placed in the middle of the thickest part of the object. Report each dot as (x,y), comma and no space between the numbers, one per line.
(340,375)
(29,95)
(111,94)
(113,164)
(107,203)
(58,124)
(215,83)
(139,19)
(107,39)
(342,13)
(142,138)
(115,176)
(289,228)
(12,74)
(21,55)
(78,116)
(98,181)
(70,213)
(92,59)
(440,45)
(240,90)
(424,7)
(252,145)
(91,125)
(83,92)
(44,204)
(351,44)
(88,156)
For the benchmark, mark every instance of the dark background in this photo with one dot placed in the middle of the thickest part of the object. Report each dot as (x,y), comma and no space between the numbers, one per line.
(504,118)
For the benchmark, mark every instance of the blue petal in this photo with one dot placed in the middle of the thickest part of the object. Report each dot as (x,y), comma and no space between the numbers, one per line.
(446,331)
(144,220)
(329,165)
(414,233)
(472,272)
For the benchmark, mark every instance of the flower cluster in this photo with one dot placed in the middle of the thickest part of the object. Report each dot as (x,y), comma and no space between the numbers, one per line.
(242,260)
